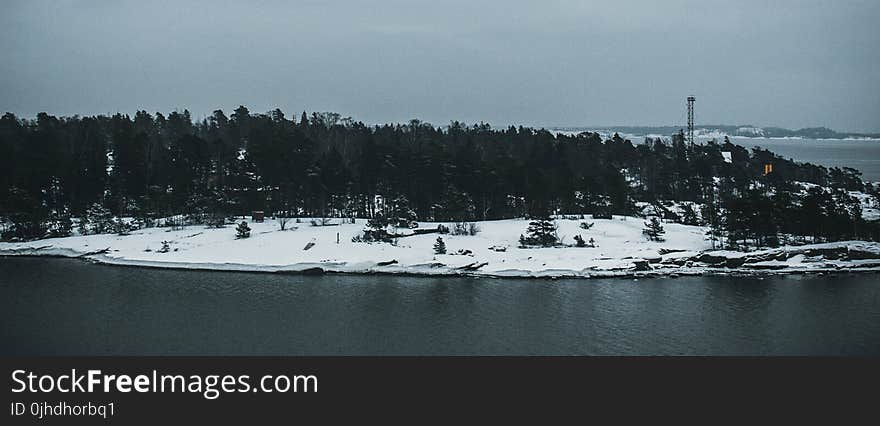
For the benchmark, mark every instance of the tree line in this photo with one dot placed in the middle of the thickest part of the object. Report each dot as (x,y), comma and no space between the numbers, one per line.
(150,166)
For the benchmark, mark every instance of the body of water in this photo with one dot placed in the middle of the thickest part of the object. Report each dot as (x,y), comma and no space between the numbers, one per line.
(862,155)
(54,306)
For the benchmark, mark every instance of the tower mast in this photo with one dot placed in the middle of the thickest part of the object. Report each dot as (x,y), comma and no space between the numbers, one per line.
(690,133)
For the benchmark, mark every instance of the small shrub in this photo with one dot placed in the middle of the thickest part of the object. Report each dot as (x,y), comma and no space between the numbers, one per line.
(586,225)
(242,230)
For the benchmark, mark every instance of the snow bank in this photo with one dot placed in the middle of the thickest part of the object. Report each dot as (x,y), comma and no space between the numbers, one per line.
(621,250)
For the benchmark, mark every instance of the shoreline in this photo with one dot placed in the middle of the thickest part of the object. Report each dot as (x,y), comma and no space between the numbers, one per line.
(309,270)
(620,251)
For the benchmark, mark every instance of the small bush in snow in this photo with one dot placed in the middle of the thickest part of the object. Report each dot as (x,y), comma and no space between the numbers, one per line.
(166,247)
(579,241)
(242,230)
(586,225)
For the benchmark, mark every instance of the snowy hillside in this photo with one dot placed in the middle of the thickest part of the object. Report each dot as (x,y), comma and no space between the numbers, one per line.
(621,249)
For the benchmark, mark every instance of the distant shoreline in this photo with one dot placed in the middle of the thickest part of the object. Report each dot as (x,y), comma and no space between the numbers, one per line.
(721,131)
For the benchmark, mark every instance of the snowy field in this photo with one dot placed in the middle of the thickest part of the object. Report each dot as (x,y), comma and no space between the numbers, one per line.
(621,250)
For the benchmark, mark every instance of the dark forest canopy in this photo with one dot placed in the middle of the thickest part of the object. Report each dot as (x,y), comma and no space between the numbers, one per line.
(155,165)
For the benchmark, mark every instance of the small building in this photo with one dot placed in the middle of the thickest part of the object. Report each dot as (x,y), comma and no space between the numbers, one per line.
(258,216)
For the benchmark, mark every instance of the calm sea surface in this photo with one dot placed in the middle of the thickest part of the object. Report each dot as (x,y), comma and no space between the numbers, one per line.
(64,306)
(862,155)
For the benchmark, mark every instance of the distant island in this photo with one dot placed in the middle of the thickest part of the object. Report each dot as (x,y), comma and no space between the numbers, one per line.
(714,130)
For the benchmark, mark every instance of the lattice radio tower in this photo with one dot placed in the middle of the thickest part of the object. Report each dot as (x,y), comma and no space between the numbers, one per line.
(691,100)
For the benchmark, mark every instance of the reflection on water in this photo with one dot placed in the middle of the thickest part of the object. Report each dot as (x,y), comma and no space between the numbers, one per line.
(62,306)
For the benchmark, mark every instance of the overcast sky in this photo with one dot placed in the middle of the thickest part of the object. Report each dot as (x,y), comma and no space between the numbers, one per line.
(548,63)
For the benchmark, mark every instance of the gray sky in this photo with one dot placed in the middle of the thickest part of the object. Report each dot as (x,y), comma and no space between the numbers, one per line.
(625,62)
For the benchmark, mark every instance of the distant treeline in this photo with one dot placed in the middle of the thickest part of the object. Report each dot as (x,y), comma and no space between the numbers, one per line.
(740,130)
(155,165)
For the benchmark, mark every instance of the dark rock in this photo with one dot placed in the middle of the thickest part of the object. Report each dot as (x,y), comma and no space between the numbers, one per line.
(734,262)
(390,262)
(664,251)
(856,254)
(828,253)
(709,259)
(642,265)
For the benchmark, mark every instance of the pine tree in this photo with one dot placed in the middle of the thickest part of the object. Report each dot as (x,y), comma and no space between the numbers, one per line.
(654,229)
(376,229)
(541,232)
(401,215)
(97,220)
(439,246)
(58,224)
(689,215)
(242,230)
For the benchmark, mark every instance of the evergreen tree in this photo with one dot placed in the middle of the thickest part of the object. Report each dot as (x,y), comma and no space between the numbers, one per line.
(541,232)
(242,230)
(401,215)
(97,220)
(58,223)
(439,246)
(689,214)
(654,229)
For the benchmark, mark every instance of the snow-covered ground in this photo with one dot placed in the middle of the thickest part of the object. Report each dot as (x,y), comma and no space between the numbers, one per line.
(621,250)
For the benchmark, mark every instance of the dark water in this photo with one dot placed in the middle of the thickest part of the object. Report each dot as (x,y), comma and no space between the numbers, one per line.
(862,155)
(62,306)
